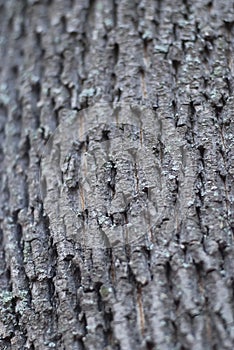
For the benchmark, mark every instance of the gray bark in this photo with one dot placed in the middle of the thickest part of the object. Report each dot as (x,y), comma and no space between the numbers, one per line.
(174,290)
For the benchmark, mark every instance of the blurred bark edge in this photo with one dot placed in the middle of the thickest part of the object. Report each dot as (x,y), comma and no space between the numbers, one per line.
(173,288)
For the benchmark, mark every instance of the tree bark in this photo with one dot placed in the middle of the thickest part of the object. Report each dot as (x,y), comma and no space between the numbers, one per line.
(174,289)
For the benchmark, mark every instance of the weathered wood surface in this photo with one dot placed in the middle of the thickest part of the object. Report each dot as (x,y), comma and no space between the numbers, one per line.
(175,57)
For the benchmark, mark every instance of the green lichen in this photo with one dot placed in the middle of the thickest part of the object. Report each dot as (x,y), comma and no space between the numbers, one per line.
(22,294)
(105,291)
(147,35)
(218,71)
(4,96)
(161,48)
(87,92)
(6,297)
(99,6)
(109,23)
(26,250)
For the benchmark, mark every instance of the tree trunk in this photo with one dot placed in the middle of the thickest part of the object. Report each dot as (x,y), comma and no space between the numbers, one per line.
(165,69)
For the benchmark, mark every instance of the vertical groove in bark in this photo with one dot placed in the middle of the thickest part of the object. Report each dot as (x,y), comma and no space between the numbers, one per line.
(176,58)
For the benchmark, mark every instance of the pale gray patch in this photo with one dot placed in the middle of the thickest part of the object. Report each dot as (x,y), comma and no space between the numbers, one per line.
(103,181)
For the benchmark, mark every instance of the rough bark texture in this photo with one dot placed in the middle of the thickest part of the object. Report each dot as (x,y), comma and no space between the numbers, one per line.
(175,57)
